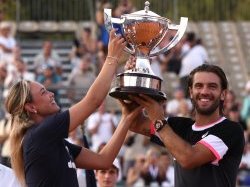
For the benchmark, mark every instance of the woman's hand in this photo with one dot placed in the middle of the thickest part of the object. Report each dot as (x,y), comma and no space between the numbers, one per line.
(116,45)
(130,110)
(154,109)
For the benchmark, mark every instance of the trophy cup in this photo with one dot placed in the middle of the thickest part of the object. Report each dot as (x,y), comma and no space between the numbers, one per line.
(143,30)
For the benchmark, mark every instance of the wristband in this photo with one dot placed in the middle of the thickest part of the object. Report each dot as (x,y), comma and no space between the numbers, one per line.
(114,58)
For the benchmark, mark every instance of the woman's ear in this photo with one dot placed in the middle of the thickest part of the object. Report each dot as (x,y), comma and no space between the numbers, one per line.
(30,108)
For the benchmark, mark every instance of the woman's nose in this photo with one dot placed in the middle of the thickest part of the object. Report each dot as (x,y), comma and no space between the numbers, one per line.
(52,94)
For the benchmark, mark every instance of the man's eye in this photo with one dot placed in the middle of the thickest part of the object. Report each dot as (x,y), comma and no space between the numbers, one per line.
(198,86)
(213,86)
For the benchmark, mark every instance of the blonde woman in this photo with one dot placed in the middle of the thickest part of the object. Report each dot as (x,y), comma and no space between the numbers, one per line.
(40,155)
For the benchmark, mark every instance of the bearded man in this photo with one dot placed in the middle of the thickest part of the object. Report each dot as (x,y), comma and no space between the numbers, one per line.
(208,148)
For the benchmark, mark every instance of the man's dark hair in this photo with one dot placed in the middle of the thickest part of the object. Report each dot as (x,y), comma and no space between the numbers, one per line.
(210,69)
(191,36)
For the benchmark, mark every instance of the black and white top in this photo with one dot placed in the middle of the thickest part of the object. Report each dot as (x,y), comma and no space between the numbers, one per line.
(48,157)
(224,138)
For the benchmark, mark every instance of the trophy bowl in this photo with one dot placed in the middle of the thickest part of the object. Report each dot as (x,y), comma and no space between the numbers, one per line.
(143,30)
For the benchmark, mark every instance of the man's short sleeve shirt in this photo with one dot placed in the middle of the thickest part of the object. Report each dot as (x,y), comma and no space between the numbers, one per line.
(223,138)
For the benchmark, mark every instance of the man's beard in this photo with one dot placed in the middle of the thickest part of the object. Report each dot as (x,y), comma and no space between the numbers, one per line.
(206,111)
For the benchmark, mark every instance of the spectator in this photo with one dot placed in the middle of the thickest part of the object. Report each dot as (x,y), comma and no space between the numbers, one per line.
(51,80)
(3,75)
(189,41)
(21,71)
(124,7)
(152,172)
(173,63)
(134,178)
(47,57)
(3,72)
(16,73)
(101,125)
(5,127)
(245,111)
(166,162)
(16,55)
(8,178)
(102,33)
(171,60)
(195,57)
(100,60)
(244,168)
(75,138)
(87,61)
(230,101)
(234,115)
(86,44)
(184,109)
(109,177)
(134,145)
(7,42)
(174,105)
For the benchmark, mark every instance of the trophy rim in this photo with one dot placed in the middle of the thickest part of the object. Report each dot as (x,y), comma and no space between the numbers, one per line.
(138,74)
(126,16)
(124,92)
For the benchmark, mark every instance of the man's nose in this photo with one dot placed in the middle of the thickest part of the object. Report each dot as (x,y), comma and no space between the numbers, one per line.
(205,90)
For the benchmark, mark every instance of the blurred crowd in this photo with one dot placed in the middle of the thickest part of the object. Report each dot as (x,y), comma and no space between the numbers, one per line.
(140,162)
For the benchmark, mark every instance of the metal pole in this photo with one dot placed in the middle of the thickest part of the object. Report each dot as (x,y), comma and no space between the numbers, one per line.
(91,8)
(92,15)
(175,10)
(17,16)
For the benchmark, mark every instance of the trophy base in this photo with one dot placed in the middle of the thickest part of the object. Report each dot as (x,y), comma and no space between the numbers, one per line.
(124,92)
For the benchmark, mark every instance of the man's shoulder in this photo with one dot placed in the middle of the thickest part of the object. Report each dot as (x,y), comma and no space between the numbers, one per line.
(183,120)
(229,130)
(231,125)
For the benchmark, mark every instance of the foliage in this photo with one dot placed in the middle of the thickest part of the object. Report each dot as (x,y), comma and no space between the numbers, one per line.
(196,10)
(8,9)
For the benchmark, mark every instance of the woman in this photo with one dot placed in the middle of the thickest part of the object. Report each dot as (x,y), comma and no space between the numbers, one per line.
(40,155)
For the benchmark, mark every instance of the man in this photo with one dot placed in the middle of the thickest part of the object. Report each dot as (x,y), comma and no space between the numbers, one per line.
(7,42)
(47,56)
(101,126)
(109,177)
(196,56)
(208,149)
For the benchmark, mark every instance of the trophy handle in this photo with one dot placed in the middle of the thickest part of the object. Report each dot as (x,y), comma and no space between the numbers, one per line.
(108,20)
(181,30)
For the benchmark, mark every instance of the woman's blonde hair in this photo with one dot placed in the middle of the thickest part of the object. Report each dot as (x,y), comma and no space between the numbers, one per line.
(19,94)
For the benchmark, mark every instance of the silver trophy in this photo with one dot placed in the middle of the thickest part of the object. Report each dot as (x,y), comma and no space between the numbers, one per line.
(143,30)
